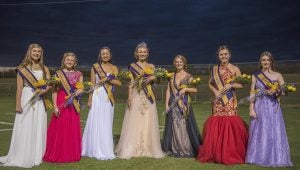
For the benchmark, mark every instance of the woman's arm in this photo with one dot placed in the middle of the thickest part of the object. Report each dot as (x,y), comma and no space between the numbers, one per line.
(93,81)
(115,81)
(19,93)
(167,96)
(252,112)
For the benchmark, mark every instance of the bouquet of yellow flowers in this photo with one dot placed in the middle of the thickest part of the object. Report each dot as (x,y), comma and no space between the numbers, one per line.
(193,83)
(162,73)
(125,76)
(243,79)
(289,87)
(54,81)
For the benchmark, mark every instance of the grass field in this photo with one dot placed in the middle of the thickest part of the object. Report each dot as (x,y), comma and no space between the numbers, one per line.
(202,109)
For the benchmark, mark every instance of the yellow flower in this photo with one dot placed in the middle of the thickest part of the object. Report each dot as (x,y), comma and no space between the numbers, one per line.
(148,70)
(248,76)
(198,78)
(244,75)
(290,88)
(293,89)
(194,81)
(79,85)
(56,79)
(40,83)
(183,86)
(229,81)
(169,74)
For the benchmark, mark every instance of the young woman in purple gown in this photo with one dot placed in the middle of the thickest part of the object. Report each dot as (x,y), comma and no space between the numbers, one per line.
(268,144)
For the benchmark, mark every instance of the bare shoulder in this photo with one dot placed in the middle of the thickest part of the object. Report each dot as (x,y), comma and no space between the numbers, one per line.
(277,74)
(151,65)
(114,68)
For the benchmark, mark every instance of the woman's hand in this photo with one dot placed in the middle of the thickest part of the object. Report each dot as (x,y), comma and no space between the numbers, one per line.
(182,91)
(148,80)
(167,108)
(217,93)
(19,109)
(129,102)
(78,92)
(252,114)
(89,104)
(42,92)
(56,111)
(270,92)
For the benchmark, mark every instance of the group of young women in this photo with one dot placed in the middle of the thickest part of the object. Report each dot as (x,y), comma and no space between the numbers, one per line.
(225,136)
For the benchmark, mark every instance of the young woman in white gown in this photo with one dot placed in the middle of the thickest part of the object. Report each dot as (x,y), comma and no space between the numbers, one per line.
(140,132)
(29,132)
(97,138)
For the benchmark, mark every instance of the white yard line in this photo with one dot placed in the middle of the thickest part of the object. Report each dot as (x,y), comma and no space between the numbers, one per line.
(2,130)
(9,113)
(6,123)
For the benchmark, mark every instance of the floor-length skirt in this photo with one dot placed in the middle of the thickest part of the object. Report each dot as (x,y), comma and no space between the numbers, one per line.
(28,139)
(97,140)
(224,140)
(140,130)
(268,143)
(64,134)
(181,135)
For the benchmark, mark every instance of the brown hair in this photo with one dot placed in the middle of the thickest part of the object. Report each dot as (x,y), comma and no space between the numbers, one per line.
(272,61)
(99,60)
(64,58)
(184,60)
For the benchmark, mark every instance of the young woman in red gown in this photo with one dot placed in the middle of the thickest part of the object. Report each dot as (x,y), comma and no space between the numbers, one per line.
(224,134)
(64,133)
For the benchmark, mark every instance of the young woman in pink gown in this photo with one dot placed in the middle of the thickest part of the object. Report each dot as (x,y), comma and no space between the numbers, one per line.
(64,133)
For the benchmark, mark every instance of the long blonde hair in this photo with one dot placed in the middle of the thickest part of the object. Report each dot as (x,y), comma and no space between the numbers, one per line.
(27,61)
(64,58)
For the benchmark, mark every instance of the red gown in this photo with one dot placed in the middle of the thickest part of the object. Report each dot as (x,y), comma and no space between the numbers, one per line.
(225,135)
(64,133)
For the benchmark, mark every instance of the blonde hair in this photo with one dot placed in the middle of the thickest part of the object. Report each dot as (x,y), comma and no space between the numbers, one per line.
(183,59)
(64,58)
(27,61)
(140,45)
(99,60)
(272,61)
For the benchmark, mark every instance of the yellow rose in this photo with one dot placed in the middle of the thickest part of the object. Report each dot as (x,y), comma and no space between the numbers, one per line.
(293,89)
(248,76)
(244,75)
(148,70)
(198,79)
(194,81)
(290,87)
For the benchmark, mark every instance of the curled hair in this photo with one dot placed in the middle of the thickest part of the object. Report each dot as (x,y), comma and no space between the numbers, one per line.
(64,58)
(272,61)
(140,45)
(183,59)
(27,61)
(99,60)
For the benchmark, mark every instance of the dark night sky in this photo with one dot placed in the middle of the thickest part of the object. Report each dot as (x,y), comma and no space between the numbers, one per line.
(194,28)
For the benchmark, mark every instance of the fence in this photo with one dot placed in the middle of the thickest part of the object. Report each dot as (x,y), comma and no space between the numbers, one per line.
(8,82)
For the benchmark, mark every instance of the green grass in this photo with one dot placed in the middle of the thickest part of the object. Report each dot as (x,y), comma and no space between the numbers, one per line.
(202,109)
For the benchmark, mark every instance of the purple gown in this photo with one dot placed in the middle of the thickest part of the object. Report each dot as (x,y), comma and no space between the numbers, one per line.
(268,144)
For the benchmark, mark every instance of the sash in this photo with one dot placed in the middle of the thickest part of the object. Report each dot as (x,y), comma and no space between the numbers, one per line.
(260,76)
(30,78)
(219,84)
(107,86)
(138,72)
(183,102)
(67,88)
